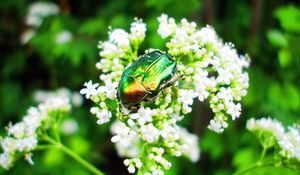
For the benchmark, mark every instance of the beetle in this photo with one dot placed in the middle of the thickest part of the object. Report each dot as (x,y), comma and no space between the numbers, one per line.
(145,78)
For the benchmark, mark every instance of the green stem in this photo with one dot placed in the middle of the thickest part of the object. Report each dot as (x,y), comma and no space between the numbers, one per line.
(253,167)
(263,153)
(75,156)
(143,155)
(42,147)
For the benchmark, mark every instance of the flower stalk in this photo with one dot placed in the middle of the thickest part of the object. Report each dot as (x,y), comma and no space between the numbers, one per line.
(73,155)
(255,166)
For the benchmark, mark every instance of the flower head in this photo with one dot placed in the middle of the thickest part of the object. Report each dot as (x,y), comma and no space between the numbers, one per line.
(271,133)
(23,137)
(209,70)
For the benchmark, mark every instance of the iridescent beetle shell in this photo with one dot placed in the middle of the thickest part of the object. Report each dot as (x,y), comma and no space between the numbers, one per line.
(145,78)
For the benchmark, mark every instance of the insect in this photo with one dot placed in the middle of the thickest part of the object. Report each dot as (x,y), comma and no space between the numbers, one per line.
(145,78)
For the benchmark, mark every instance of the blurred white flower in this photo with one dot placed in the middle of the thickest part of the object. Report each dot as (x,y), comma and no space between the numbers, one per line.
(42,95)
(290,143)
(137,30)
(39,10)
(192,151)
(6,160)
(27,36)
(272,126)
(129,149)
(63,37)
(69,126)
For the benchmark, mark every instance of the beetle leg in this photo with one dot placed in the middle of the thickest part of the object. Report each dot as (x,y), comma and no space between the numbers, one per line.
(168,83)
(135,108)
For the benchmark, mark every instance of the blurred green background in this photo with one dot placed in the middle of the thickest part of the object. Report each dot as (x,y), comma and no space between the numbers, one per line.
(269,31)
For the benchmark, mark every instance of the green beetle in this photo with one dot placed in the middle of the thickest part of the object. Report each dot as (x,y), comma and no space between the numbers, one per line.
(145,78)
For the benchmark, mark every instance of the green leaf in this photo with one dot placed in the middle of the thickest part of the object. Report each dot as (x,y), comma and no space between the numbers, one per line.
(285,96)
(212,143)
(92,26)
(244,157)
(285,57)
(289,18)
(276,38)
(79,145)
(174,170)
(292,96)
(53,157)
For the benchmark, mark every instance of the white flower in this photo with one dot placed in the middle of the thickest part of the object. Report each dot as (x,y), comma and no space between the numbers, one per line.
(110,89)
(215,126)
(207,35)
(201,83)
(137,30)
(149,133)
(145,115)
(234,110)
(155,171)
(272,126)
(5,160)
(69,126)
(124,135)
(119,37)
(103,116)
(218,69)
(110,50)
(225,94)
(34,20)
(191,140)
(63,37)
(63,93)
(224,75)
(27,36)
(23,136)
(214,71)
(186,96)
(90,89)
(17,130)
(290,143)
(166,26)
(28,157)
(76,99)
(170,132)
(129,149)
(9,144)
(26,144)
(40,10)
(131,169)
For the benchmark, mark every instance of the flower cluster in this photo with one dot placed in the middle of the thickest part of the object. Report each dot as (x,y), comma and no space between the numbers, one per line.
(36,14)
(272,133)
(215,70)
(39,10)
(209,70)
(64,93)
(23,137)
